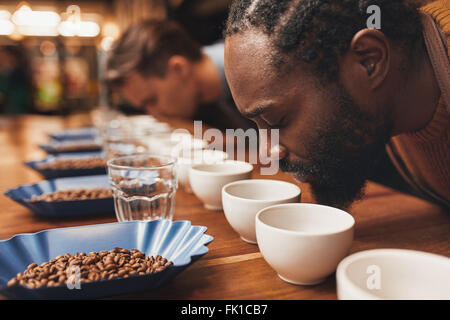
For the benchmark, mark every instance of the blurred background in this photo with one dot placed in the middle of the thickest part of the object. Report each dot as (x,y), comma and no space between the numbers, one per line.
(52,52)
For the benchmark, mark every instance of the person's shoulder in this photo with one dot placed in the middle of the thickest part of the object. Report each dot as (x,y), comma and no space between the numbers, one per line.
(440,11)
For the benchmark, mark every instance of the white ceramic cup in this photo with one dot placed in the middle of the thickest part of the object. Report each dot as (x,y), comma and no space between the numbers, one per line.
(243,199)
(393,274)
(303,242)
(189,157)
(171,144)
(207,180)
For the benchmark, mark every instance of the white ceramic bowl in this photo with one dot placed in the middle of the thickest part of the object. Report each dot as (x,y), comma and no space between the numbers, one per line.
(171,144)
(393,274)
(243,199)
(190,157)
(142,118)
(174,148)
(207,180)
(303,242)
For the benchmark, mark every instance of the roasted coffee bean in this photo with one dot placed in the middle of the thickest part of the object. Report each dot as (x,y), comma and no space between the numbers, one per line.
(52,277)
(12,282)
(32,266)
(138,255)
(110,266)
(136,265)
(116,263)
(72,195)
(77,145)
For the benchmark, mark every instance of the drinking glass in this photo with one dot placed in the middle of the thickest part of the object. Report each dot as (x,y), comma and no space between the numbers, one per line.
(124,137)
(143,186)
(117,146)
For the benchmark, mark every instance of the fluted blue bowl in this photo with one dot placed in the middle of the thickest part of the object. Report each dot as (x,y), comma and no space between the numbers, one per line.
(59,173)
(179,242)
(75,134)
(53,146)
(61,209)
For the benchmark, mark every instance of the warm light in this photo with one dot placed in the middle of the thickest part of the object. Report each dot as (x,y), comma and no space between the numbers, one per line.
(26,17)
(80,29)
(74,26)
(110,30)
(106,43)
(43,31)
(47,48)
(24,6)
(36,23)
(4,15)
(88,29)
(68,28)
(6,27)
(16,35)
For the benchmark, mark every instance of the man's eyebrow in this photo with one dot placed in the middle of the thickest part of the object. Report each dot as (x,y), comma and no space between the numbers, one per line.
(257,111)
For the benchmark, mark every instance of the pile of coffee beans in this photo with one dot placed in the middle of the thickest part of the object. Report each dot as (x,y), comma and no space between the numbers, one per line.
(72,195)
(75,146)
(116,263)
(66,164)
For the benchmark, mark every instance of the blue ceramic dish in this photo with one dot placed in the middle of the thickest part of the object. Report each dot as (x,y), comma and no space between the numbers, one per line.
(178,241)
(75,134)
(53,146)
(60,209)
(58,173)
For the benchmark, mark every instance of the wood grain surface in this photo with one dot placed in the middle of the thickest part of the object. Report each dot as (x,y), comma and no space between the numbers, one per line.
(232,269)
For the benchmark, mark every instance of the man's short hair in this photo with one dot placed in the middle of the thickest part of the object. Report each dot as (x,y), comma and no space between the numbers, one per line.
(146,48)
(319,31)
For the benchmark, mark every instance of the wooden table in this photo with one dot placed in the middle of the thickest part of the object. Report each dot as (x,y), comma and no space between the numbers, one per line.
(232,269)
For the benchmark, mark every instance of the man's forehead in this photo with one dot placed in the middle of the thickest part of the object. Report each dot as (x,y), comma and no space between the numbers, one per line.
(249,67)
(249,45)
(134,81)
(136,89)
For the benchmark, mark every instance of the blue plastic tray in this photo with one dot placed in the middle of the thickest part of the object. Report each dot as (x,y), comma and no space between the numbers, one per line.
(178,241)
(63,209)
(52,173)
(53,145)
(75,134)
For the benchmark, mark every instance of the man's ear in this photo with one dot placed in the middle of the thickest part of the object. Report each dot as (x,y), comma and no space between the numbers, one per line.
(372,50)
(180,66)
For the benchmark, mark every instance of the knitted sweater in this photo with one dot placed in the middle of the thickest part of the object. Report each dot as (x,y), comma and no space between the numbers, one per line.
(423,157)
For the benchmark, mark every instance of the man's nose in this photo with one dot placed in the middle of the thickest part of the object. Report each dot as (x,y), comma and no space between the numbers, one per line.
(269,147)
(277,152)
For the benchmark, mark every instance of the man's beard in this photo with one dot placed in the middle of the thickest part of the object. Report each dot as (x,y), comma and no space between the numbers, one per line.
(343,155)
